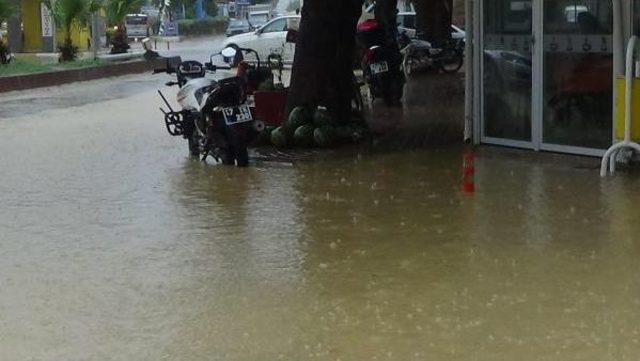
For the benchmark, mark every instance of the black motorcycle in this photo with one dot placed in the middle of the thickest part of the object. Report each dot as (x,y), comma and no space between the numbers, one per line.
(418,53)
(380,63)
(215,117)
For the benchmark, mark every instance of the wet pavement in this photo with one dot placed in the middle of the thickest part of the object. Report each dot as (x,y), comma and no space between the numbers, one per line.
(114,245)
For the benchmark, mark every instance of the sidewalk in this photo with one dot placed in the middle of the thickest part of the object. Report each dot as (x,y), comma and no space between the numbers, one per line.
(432,112)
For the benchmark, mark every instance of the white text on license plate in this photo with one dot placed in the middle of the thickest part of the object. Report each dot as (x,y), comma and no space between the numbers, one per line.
(377,68)
(239,114)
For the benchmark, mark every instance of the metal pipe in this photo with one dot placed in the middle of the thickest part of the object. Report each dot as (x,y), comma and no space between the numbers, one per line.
(468,71)
(629,87)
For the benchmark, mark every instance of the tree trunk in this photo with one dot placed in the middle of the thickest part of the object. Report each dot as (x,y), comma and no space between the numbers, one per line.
(433,19)
(323,64)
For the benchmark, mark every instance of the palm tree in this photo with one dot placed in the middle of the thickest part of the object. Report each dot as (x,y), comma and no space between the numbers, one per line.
(6,11)
(117,11)
(70,15)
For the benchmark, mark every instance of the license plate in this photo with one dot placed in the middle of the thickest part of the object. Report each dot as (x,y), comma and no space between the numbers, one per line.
(377,68)
(237,115)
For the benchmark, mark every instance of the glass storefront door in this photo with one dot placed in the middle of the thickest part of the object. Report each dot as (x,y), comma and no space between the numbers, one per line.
(553,94)
(507,71)
(578,71)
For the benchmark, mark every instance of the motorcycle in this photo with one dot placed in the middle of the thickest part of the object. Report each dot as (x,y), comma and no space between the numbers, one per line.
(380,66)
(5,53)
(419,53)
(215,117)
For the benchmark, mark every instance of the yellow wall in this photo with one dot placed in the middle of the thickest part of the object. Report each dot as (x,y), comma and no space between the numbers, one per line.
(80,37)
(32,29)
(31,22)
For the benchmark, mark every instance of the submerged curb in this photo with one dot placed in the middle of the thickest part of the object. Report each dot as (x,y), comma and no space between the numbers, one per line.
(38,80)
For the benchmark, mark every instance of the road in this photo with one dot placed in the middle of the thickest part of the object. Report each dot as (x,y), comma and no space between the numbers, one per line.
(115,245)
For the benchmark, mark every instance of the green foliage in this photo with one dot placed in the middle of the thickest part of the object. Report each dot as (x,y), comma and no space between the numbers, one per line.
(69,15)
(117,10)
(68,51)
(6,10)
(211,7)
(206,26)
(20,66)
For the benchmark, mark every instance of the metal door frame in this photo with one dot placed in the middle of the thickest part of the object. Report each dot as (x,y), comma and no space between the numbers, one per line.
(479,106)
(537,91)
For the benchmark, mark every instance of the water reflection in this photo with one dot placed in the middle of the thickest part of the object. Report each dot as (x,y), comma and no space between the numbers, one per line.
(360,255)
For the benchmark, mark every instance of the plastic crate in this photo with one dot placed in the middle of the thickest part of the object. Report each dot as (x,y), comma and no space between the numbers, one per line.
(270,106)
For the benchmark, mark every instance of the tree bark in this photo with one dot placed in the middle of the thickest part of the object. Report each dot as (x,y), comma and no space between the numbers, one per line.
(322,72)
(433,19)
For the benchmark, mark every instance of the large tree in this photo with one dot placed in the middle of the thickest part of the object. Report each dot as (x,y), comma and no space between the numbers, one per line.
(324,60)
(433,19)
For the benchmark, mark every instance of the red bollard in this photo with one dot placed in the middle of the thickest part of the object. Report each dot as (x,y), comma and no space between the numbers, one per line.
(468,171)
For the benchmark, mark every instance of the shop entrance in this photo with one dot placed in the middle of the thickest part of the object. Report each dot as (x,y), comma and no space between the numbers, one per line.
(547,70)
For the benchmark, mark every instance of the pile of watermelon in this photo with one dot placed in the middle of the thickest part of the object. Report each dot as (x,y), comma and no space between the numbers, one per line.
(308,128)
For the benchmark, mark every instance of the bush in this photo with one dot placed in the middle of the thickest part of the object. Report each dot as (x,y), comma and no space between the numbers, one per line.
(210,7)
(68,51)
(206,26)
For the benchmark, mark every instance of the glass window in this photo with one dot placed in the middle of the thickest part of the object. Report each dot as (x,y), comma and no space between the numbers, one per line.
(578,67)
(276,26)
(507,69)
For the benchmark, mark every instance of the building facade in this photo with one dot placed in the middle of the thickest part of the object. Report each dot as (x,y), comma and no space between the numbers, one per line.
(32,30)
(544,72)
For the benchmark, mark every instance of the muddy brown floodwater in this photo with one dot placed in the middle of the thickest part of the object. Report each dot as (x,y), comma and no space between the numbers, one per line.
(115,246)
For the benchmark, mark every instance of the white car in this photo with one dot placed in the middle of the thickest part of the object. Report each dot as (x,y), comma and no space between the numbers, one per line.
(269,38)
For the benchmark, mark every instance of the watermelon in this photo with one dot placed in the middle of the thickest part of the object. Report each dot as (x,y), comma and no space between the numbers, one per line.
(324,136)
(279,137)
(264,137)
(322,118)
(299,116)
(303,136)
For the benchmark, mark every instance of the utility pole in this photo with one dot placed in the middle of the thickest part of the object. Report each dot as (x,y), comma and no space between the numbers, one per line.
(95,37)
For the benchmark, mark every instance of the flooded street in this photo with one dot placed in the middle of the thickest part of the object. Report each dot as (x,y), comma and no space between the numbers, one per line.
(114,245)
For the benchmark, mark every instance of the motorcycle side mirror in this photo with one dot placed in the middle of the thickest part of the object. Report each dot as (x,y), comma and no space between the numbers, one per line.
(292,36)
(146,44)
(209,66)
(229,52)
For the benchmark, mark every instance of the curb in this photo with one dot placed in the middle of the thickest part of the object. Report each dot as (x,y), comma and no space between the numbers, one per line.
(38,80)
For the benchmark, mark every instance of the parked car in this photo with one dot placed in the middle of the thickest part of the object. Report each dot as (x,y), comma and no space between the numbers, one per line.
(268,39)
(407,24)
(238,27)
(257,19)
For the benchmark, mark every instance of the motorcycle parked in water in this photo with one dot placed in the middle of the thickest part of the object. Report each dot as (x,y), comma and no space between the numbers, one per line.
(380,64)
(215,117)
(419,53)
